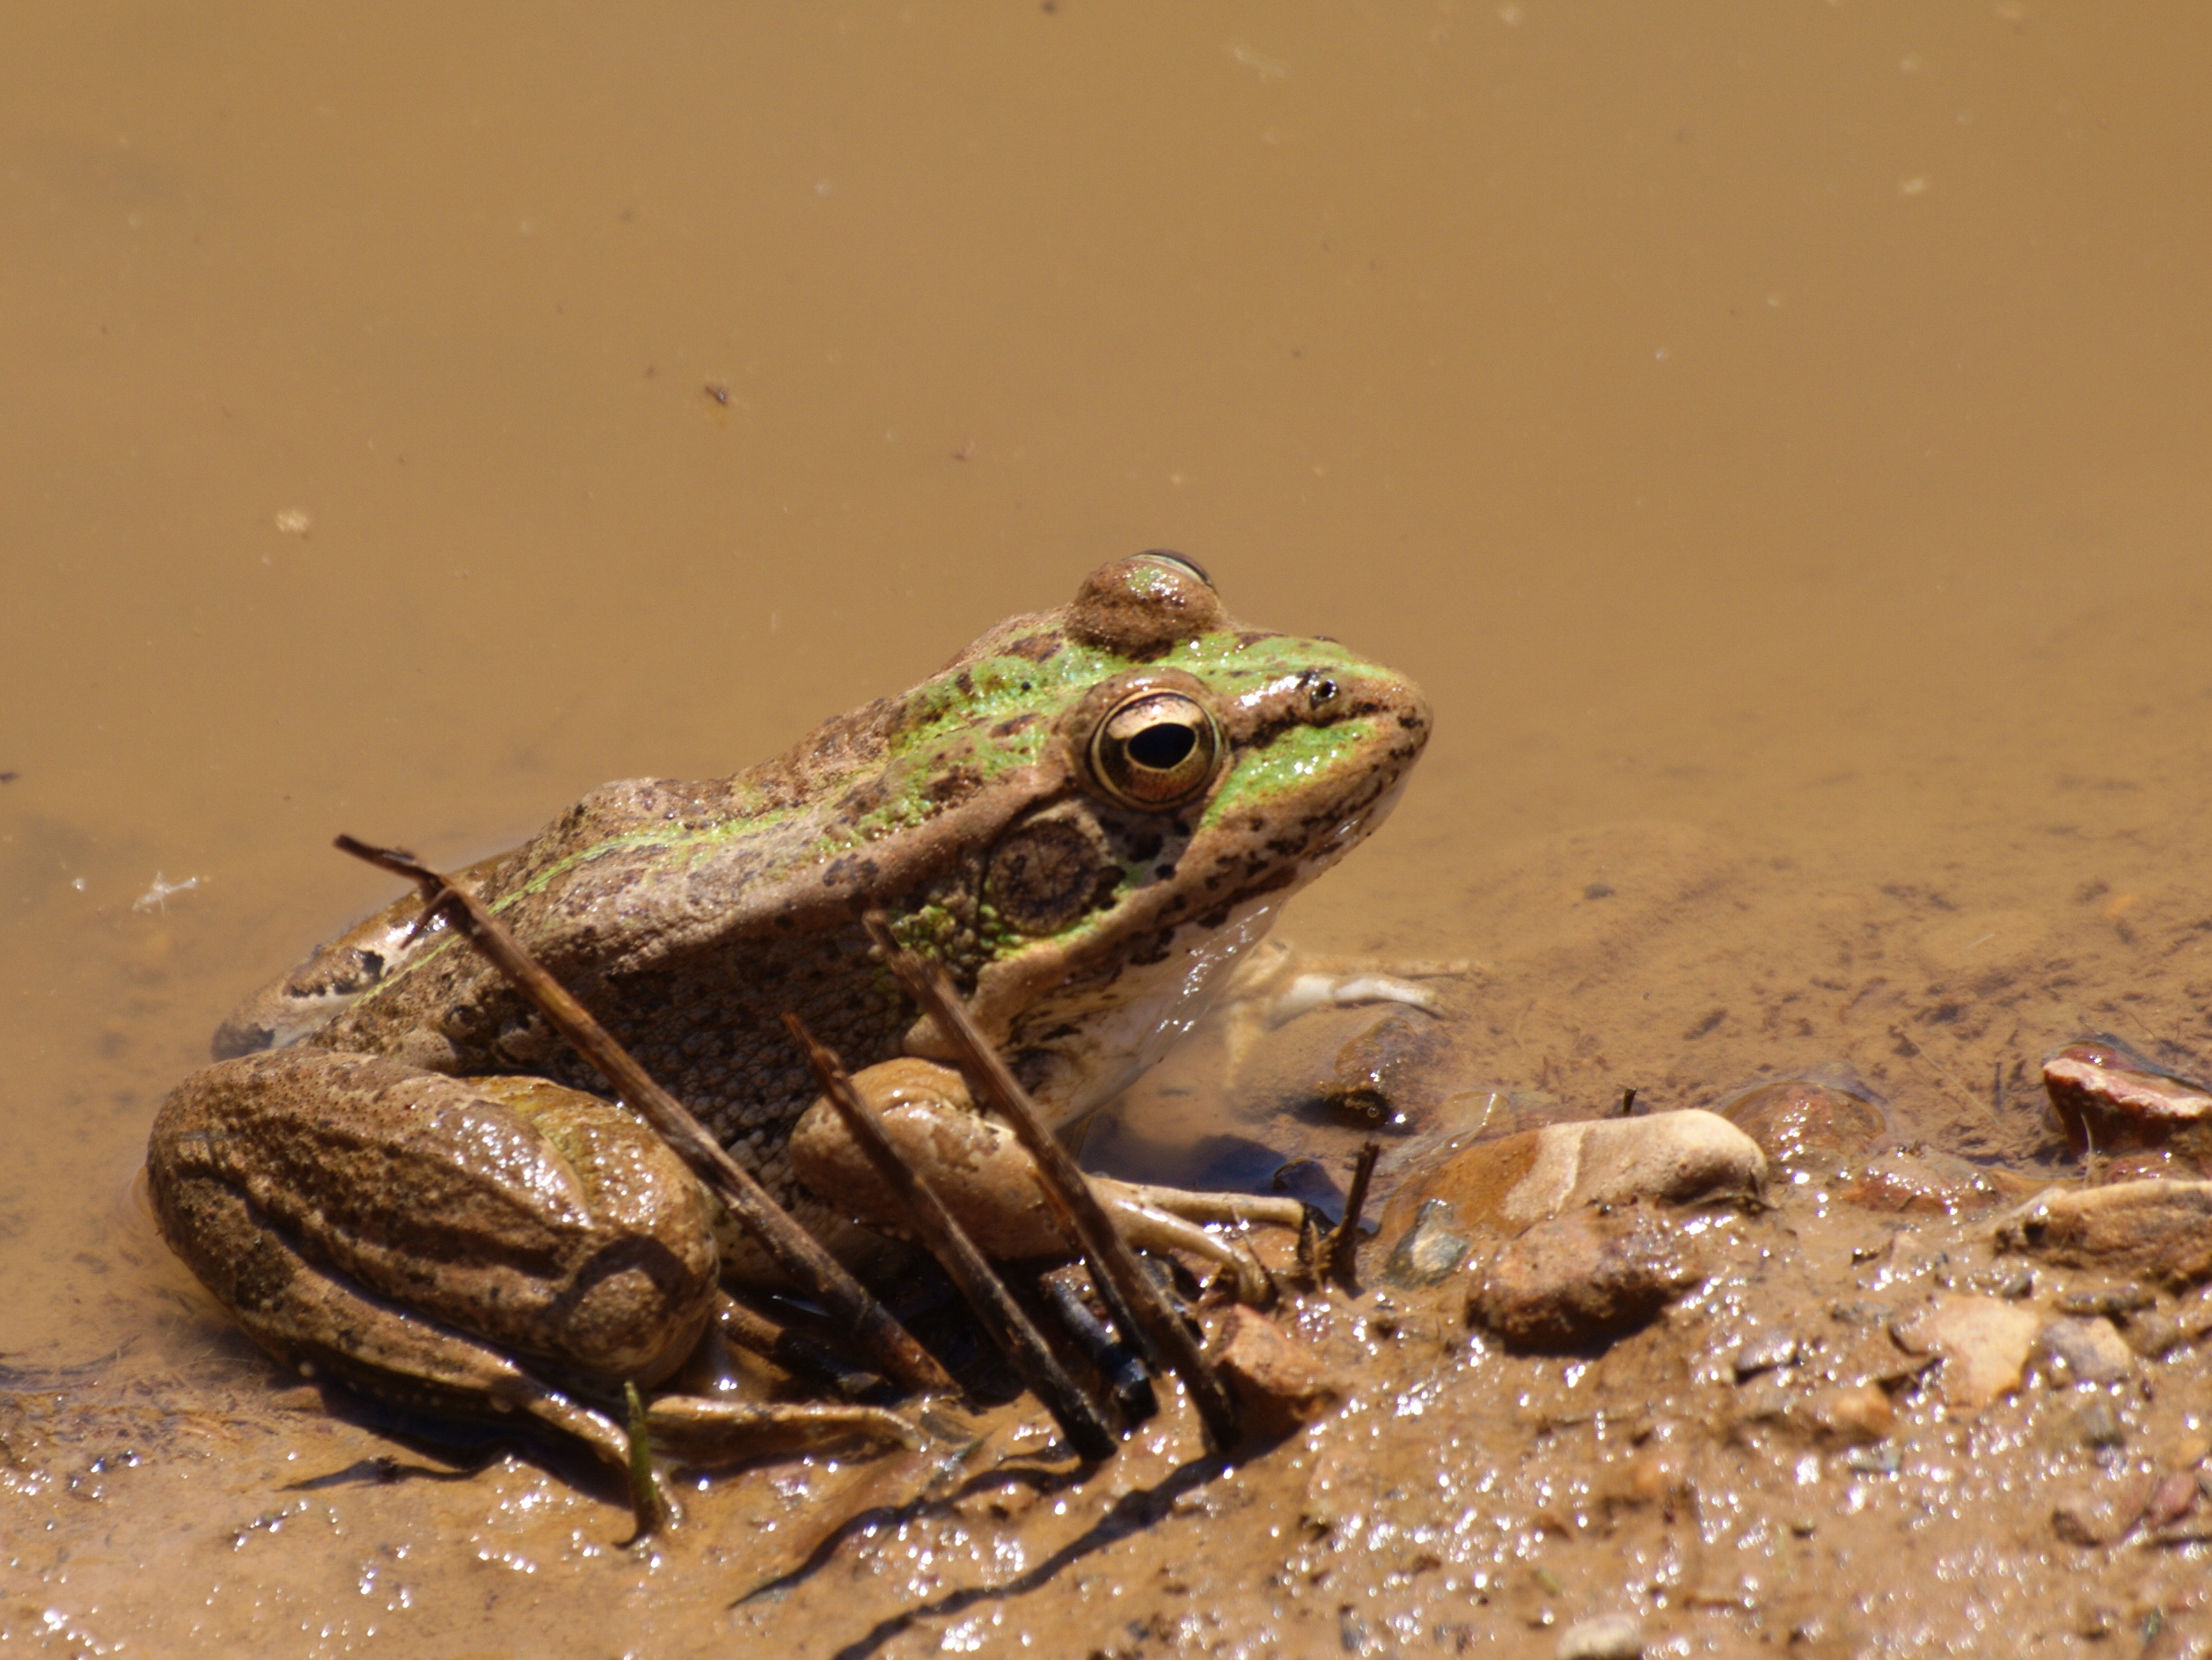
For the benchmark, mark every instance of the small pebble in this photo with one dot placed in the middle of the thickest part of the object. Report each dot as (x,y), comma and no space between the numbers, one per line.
(1607,1637)
(2073,1351)
(1431,1250)
(1765,1354)
(2098,1425)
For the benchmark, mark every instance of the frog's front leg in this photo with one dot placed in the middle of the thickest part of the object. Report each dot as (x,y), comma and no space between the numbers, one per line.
(988,1180)
(469,1245)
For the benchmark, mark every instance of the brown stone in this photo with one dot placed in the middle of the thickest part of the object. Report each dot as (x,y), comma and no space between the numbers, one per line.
(2157,1231)
(1276,1379)
(1577,1279)
(1367,1084)
(2098,1513)
(1853,1415)
(1802,1125)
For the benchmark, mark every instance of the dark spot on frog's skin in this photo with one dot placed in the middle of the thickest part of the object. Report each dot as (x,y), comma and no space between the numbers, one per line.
(966,683)
(1012,724)
(956,784)
(850,871)
(1037,647)
(1163,871)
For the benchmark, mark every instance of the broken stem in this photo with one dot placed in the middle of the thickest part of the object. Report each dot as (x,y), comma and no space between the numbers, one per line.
(1340,1250)
(939,1231)
(797,1253)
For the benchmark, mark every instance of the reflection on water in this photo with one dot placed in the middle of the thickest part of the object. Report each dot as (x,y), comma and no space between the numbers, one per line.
(1772,436)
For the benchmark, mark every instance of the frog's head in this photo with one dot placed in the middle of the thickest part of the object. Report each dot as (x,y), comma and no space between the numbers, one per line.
(1149,781)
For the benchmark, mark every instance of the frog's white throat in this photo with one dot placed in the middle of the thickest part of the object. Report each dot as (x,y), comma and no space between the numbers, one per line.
(1121,1031)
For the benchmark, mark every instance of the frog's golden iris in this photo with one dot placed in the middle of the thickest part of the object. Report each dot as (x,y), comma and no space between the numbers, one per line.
(1156,749)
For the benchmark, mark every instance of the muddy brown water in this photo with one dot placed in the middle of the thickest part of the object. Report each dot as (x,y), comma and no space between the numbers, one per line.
(1774,436)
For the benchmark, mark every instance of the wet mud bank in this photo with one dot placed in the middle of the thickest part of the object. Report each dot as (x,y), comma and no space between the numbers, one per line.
(1844,1359)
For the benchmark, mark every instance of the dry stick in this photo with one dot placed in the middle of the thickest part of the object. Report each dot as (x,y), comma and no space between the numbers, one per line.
(1071,1406)
(796,1252)
(1130,1294)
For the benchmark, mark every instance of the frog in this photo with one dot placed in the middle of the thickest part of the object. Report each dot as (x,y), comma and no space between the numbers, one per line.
(394,1174)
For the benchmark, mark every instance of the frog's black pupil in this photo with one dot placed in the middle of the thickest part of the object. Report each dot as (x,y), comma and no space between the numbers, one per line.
(1162,747)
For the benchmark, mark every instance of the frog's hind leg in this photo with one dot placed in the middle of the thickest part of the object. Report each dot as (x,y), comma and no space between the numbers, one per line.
(320,1322)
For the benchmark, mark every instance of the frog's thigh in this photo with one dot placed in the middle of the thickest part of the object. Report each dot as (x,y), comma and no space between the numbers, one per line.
(316,1320)
(545,1221)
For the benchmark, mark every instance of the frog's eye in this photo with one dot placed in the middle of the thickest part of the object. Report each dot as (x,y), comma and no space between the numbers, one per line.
(1156,750)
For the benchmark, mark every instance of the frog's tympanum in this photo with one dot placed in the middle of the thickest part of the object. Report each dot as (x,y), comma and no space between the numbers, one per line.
(396,1173)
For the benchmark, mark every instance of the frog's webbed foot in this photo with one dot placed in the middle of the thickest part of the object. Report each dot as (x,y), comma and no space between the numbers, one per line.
(986,1178)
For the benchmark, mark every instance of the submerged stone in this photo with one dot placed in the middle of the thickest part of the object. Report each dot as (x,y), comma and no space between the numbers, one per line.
(1430,1251)
(1802,1125)
(1368,1085)
(1924,1182)
(1983,1342)
(2074,1350)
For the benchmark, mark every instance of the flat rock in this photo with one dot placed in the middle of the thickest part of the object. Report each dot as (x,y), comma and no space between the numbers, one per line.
(2155,1231)
(1681,1158)
(1574,1280)
(2110,1099)
(1983,1342)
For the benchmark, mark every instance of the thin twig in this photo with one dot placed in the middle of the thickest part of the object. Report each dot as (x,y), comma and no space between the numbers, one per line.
(1072,1408)
(797,1253)
(1143,1315)
(749,1329)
